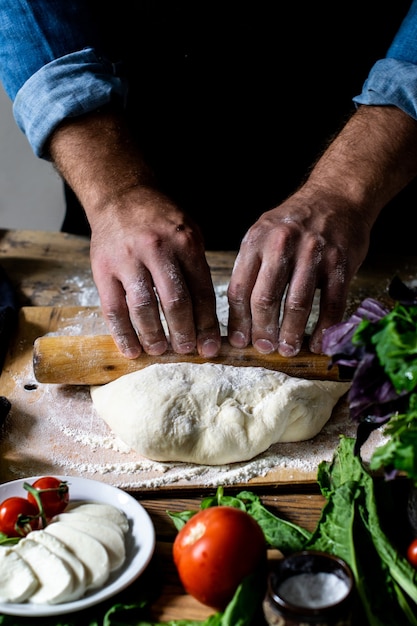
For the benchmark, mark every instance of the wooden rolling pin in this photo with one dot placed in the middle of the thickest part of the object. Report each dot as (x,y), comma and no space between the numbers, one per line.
(95,360)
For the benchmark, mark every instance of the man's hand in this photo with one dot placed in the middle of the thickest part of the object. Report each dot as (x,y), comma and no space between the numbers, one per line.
(145,252)
(148,254)
(292,250)
(318,238)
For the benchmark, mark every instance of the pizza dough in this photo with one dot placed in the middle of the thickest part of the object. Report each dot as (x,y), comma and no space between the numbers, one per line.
(213,414)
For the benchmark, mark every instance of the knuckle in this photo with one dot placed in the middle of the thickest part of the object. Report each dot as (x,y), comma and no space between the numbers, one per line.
(235,293)
(139,293)
(265,302)
(177,303)
(295,305)
(115,319)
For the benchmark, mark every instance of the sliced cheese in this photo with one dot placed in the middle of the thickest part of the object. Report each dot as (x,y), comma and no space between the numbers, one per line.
(56,546)
(101,510)
(91,552)
(111,538)
(17,579)
(88,519)
(56,580)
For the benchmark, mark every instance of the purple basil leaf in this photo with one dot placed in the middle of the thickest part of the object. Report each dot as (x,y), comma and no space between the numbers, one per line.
(371,310)
(371,393)
(337,340)
(337,343)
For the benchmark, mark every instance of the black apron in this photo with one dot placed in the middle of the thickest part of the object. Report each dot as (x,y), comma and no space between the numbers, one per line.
(232,102)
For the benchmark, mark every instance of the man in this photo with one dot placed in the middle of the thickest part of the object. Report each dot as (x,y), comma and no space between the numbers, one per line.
(185,126)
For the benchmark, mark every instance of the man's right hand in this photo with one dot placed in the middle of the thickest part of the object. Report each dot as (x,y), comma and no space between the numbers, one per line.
(145,252)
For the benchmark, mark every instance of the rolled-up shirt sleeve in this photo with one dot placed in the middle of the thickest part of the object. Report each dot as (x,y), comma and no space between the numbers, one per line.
(52,66)
(392,81)
(67,87)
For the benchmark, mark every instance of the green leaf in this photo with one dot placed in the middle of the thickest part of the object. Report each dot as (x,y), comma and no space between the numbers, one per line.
(399,568)
(334,531)
(396,346)
(180,518)
(400,450)
(222,500)
(349,528)
(279,533)
(245,605)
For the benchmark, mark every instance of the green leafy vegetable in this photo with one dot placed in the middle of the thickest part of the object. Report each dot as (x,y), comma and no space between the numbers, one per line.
(278,533)
(380,347)
(349,527)
(400,451)
(395,342)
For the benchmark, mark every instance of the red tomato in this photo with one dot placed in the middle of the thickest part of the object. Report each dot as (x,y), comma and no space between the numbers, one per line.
(18,517)
(215,550)
(412,552)
(54,495)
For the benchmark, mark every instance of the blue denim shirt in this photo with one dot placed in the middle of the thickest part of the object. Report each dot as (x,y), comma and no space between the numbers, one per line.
(393,80)
(52,68)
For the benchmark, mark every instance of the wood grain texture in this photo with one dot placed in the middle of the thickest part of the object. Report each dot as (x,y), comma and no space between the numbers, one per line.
(95,360)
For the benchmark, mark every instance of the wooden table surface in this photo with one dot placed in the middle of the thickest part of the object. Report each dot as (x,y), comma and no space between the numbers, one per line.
(52,269)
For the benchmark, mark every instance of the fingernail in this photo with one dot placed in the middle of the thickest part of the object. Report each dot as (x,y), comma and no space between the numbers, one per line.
(210,348)
(315,346)
(185,348)
(157,348)
(132,353)
(264,346)
(237,339)
(286,350)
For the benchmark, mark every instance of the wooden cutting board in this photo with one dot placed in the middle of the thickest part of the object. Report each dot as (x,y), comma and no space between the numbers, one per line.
(53,428)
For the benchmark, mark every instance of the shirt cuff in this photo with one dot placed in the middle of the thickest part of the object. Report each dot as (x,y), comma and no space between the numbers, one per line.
(70,86)
(391,83)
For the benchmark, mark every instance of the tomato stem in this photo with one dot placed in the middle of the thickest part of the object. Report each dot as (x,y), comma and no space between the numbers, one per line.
(23,524)
(36,494)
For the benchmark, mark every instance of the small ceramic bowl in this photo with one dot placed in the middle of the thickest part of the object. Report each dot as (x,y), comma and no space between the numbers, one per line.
(310,587)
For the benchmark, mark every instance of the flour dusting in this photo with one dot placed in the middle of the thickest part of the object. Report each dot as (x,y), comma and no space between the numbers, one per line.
(54,428)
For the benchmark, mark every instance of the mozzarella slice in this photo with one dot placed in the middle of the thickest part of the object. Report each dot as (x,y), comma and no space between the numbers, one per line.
(88,519)
(101,510)
(17,579)
(91,552)
(110,538)
(56,546)
(56,580)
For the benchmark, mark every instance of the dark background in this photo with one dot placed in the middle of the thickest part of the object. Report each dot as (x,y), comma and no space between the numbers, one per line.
(233,101)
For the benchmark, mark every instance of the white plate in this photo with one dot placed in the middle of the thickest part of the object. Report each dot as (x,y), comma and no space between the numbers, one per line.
(140,543)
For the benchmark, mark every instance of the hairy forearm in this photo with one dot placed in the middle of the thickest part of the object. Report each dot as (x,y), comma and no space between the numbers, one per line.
(372,159)
(146,254)
(96,156)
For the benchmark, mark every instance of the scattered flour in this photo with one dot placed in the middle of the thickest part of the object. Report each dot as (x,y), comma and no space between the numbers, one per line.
(83,289)
(55,428)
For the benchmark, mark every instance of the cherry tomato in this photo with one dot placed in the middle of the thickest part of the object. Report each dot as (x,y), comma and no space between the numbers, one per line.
(412,552)
(53,493)
(18,517)
(215,550)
